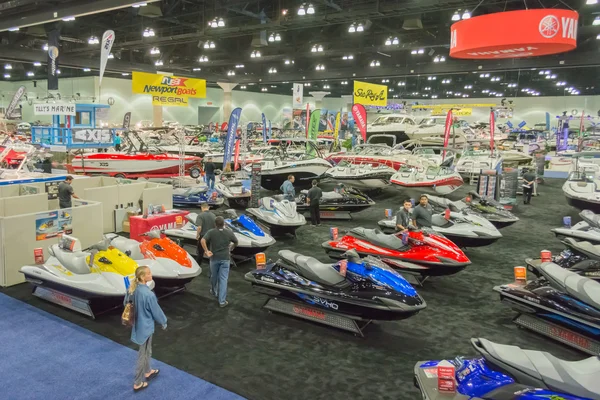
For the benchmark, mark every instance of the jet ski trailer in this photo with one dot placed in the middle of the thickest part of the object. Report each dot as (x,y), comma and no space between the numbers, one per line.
(561,305)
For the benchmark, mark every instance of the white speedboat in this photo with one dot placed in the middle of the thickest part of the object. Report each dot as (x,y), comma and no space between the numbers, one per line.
(398,124)
(361,176)
(473,161)
(442,179)
(581,190)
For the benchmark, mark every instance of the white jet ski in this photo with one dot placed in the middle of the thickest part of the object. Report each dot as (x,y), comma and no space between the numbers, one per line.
(89,282)
(251,238)
(170,264)
(361,176)
(588,229)
(484,207)
(279,215)
(465,230)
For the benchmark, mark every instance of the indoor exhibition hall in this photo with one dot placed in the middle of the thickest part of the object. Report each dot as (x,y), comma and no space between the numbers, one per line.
(300,199)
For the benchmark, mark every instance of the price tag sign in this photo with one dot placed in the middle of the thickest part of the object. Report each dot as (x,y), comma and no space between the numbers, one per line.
(520,275)
(261,260)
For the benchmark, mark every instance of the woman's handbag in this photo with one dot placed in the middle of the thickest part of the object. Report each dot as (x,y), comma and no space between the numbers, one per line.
(128,316)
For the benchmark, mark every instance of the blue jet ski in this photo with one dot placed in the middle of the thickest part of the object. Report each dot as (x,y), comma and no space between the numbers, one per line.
(196,196)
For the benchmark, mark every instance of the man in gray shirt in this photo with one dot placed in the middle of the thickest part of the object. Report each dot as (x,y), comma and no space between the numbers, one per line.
(204,223)
(403,216)
(528,182)
(313,199)
(220,241)
(65,192)
(422,213)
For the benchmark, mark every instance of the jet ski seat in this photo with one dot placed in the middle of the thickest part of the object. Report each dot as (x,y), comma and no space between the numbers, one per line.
(73,261)
(313,269)
(379,238)
(440,221)
(591,218)
(582,288)
(579,378)
(128,246)
(590,250)
(331,196)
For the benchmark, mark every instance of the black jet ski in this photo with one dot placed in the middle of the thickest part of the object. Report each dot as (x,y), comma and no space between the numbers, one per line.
(370,290)
(567,259)
(587,230)
(561,304)
(341,199)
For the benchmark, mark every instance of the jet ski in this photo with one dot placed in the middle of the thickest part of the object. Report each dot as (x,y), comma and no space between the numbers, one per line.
(278,215)
(588,229)
(567,259)
(560,304)
(465,230)
(361,176)
(508,372)
(485,207)
(170,264)
(251,239)
(442,179)
(236,192)
(340,199)
(423,253)
(196,196)
(367,290)
(89,282)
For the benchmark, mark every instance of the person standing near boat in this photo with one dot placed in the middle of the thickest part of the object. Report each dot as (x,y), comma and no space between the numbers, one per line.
(313,198)
(65,192)
(147,313)
(209,170)
(117,142)
(289,193)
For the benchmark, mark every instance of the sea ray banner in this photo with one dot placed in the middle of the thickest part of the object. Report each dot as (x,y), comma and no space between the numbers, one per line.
(231,133)
(313,130)
(336,131)
(15,100)
(359,113)
(264,128)
(298,95)
(447,129)
(492,129)
(107,42)
(127,120)
(369,94)
(53,37)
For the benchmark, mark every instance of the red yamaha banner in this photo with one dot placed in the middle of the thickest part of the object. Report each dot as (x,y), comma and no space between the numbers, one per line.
(447,129)
(515,34)
(359,113)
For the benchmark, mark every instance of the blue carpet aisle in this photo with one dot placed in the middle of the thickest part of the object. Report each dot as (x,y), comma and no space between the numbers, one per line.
(45,357)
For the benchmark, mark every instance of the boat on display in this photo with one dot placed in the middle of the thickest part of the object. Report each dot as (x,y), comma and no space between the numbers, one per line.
(348,294)
(346,199)
(561,304)
(170,264)
(587,230)
(278,215)
(485,207)
(237,193)
(581,191)
(196,196)
(251,238)
(464,230)
(473,161)
(372,154)
(400,125)
(305,167)
(509,372)
(361,176)
(89,282)
(422,253)
(443,179)
(17,161)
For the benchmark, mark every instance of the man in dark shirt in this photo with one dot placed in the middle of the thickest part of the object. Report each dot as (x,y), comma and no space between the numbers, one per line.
(220,241)
(422,213)
(205,221)
(313,199)
(528,182)
(65,192)
(209,170)
(403,216)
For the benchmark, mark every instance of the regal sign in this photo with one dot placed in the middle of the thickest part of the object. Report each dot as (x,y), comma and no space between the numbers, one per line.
(536,32)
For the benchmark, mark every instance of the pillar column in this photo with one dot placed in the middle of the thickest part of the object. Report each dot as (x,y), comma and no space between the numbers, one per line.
(227,98)
(319,98)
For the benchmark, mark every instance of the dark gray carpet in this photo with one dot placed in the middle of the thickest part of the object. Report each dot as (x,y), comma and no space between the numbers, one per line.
(266,356)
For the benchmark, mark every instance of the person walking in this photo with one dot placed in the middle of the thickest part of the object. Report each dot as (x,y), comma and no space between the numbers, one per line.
(221,241)
(403,216)
(528,182)
(147,313)
(117,142)
(209,170)
(289,193)
(313,198)
(205,221)
(66,192)
(422,213)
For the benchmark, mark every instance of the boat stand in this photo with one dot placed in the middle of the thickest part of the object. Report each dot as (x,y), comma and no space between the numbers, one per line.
(558,333)
(319,315)
(71,302)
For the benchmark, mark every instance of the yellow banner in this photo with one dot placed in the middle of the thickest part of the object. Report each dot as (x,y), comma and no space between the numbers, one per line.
(369,94)
(336,131)
(167,86)
(449,106)
(170,101)
(442,112)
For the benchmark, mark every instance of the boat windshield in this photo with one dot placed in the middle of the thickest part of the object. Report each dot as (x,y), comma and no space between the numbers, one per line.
(581,176)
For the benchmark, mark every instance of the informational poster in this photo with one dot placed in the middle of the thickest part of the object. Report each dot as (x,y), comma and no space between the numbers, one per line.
(509,186)
(255,184)
(52,190)
(26,190)
(52,224)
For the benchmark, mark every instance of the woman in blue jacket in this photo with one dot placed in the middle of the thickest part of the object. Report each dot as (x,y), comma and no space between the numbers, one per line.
(147,312)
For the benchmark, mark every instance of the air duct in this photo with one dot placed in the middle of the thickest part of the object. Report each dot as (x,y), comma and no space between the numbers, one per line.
(412,23)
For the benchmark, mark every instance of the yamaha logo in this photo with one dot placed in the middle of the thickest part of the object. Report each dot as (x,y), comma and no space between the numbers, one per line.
(549,26)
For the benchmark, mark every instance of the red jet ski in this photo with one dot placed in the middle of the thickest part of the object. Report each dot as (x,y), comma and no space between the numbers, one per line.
(424,253)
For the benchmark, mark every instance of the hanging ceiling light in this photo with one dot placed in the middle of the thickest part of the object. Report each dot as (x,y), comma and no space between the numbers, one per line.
(93,40)
(456,16)
(310,10)
(239,66)
(196,69)
(272,70)
(313,49)
(395,41)
(37,64)
(442,59)
(271,38)
(221,23)
(466,15)
(67,19)
(591,2)
(230,73)
(320,48)
(7,66)
(7,76)
(203,59)
(596,21)
(30,73)
(158,63)
(352,28)
(436,59)
(360,28)
(111,56)
(401,83)
(138,5)
(388,41)
(243,87)
(263,89)
(154,51)
(255,54)
(45,47)
(277,37)
(301,10)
